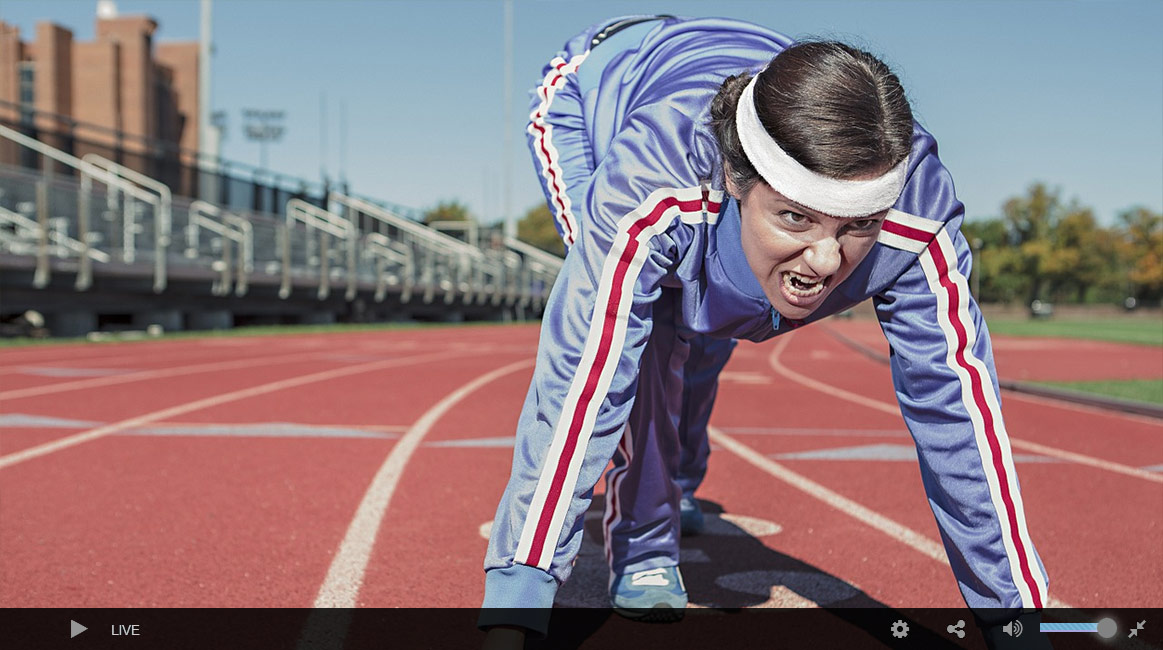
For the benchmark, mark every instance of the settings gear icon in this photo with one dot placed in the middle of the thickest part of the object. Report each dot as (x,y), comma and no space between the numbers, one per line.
(900,629)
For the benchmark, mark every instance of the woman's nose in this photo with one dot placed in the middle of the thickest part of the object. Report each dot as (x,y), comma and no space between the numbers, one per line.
(823,256)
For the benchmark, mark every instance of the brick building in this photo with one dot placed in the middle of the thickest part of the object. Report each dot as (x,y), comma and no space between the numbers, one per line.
(119,95)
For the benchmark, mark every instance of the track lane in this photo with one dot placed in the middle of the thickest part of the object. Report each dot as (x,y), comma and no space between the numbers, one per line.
(217,399)
(1024,358)
(142,374)
(1045,427)
(429,550)
(1071,519)
(347,572)
(106,405)
(254,521)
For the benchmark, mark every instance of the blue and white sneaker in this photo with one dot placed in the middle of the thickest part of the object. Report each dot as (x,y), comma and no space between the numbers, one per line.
(654,595)
(690,517)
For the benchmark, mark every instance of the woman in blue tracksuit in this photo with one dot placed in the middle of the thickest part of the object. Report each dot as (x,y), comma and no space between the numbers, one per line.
(708,191)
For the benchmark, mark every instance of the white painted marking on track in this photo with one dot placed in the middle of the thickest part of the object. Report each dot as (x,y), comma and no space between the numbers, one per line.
(897,531)
(882,452)
(744,377)
(150,374)
(345,576)
(892,409)
(135,422)
(849,507)
(73,371)
(805,431)
(717,524)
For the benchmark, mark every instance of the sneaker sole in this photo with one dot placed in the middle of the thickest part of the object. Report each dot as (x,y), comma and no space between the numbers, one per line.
(656,614)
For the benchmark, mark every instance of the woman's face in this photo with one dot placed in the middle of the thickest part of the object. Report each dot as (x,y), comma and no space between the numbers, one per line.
(798,254)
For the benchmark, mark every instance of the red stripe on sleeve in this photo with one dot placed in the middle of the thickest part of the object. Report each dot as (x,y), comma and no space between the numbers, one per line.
(977,387)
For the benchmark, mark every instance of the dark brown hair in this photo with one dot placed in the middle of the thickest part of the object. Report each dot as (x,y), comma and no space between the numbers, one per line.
(836,110)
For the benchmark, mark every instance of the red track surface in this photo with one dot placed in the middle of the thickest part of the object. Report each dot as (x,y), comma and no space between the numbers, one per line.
(150,515)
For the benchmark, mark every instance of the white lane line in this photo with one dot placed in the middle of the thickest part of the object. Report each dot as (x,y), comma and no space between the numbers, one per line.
(849,507)
(132,423)
(172,350)
(11,363)
(893,409)
(899,532)
(345,576)
(143,375)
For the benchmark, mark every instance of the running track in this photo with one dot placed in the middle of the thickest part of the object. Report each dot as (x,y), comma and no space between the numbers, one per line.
(362,469)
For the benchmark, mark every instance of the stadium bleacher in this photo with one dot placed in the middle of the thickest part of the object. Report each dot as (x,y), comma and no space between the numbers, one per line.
(93,244)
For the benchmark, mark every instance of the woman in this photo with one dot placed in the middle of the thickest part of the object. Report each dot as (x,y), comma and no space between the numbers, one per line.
(710,191)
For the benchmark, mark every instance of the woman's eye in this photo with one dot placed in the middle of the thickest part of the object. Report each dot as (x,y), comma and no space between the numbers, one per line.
(793,218)
(863,225)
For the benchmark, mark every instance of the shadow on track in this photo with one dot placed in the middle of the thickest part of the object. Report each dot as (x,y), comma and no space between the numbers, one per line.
(742,594)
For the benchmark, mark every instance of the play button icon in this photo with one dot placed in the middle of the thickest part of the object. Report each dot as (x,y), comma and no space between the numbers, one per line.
(76,628)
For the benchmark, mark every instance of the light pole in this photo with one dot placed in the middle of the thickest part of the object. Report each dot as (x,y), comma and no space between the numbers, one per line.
(506,164)
(977,244)
(263,126)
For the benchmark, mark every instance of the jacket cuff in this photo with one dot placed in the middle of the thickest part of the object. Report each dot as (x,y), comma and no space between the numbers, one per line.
(518,595)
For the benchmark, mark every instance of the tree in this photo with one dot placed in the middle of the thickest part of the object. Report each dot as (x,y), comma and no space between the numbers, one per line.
(1030,220)
(1044,248)
(448,211)
(1140,247)
(537,228)
(994,260)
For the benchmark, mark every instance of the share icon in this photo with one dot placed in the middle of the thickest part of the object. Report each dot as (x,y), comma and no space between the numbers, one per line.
(958,629)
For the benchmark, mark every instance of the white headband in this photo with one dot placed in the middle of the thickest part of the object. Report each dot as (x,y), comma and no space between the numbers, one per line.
(832,196)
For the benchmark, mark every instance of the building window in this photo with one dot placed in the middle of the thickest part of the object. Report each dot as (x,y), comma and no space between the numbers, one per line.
(27,92)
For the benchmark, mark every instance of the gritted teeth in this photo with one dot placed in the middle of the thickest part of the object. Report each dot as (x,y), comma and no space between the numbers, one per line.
(803,285)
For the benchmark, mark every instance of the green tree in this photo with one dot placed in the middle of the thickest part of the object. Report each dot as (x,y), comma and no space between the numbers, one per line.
(1045,248)
(1030,220)
(994,261)
(537,228)
(448,211)
(1140,247)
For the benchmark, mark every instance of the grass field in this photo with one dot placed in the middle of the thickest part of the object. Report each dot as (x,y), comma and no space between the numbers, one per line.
(1145,331)
(1138,390)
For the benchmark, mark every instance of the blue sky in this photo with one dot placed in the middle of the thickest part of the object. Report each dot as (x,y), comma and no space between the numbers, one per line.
(1067,93)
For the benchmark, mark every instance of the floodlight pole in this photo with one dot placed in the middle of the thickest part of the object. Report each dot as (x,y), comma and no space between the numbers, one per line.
(209,134)
(263,128)
(507,163)
(977,245)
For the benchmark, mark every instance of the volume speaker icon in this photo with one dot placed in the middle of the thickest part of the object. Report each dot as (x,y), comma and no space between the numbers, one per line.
(1013,629)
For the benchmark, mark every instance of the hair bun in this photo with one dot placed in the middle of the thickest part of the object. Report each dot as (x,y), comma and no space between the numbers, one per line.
(723,106)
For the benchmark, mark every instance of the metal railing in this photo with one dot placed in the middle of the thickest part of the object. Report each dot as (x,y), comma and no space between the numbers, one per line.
(28,237)
(540,270)
(320,225)
(231,228)
(440,261)
(395,265)
(163,208)
(115,185)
